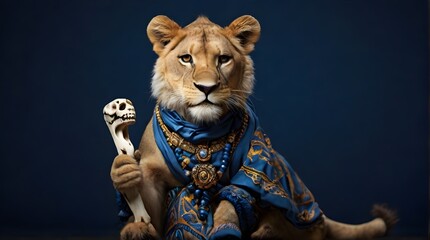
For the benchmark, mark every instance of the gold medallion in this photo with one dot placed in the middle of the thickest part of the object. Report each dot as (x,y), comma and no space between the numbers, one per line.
(204,176)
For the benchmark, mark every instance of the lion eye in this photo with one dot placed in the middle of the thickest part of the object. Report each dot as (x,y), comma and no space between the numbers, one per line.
(186,58)
(223,59)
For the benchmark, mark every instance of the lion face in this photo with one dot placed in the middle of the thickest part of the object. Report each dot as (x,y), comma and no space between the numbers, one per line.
(203,71)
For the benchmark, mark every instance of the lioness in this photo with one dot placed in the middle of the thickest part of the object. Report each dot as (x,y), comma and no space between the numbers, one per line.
(206,169)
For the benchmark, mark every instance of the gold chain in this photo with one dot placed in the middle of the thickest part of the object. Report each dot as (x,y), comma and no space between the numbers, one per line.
(175,140)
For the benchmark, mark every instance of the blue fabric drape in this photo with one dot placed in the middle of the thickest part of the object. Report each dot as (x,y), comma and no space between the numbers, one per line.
(255,165)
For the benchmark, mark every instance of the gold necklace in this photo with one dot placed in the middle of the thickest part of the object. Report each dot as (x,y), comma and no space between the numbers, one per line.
(203,152)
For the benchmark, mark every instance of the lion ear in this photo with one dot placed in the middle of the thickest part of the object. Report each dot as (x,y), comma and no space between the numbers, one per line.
(247,30)
(161,30)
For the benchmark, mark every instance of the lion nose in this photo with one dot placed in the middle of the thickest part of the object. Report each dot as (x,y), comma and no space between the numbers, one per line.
(205,88)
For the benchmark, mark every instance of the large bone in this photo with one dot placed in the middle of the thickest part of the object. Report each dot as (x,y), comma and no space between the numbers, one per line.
(119,114)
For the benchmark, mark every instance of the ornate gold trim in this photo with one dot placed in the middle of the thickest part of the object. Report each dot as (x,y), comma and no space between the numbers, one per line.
(175,140)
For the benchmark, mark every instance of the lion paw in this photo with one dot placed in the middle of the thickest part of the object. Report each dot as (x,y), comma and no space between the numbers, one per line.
(138,231)
(125,173)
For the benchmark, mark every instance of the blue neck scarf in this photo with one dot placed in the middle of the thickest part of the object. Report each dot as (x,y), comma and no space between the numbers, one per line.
(195,134)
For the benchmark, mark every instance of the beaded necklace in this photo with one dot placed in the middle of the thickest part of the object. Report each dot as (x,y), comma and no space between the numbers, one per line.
(196,161)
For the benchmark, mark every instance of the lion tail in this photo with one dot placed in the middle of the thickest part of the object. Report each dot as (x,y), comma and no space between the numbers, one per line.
(384,220)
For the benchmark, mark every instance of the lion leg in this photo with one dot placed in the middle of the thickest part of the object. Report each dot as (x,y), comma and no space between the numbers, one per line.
(126,174)
(153,191)
(153,195)
(273,225)
(155,181)
(226,222)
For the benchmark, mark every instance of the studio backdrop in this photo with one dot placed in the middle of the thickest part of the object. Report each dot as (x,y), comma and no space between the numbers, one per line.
(341,89)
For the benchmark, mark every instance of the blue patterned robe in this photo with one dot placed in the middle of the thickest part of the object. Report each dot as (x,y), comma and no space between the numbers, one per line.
(257,176)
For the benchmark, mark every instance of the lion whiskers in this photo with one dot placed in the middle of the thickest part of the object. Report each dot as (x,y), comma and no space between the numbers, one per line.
(235,102)
(241,91)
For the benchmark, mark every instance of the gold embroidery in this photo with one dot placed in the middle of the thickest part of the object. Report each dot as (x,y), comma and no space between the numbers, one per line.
(261,150)
(259,178)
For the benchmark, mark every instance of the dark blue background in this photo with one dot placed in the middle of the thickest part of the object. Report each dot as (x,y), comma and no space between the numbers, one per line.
(342,90)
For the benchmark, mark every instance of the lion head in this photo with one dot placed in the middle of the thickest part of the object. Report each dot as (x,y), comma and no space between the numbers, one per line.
(203,70)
